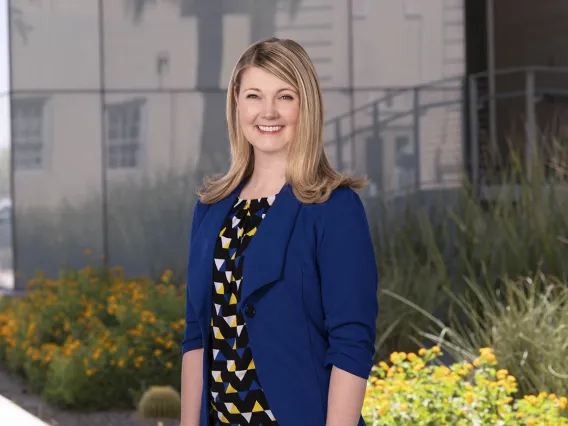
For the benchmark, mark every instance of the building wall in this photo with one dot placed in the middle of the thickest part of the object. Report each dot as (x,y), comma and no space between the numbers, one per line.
(152,61)
(395,43)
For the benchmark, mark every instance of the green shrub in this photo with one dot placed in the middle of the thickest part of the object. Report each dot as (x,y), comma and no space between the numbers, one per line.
(415,390)
(430,247)
(524,320)
(92,339)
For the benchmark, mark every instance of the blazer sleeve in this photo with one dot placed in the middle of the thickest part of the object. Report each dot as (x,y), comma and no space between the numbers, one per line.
(349,282)
(192,337)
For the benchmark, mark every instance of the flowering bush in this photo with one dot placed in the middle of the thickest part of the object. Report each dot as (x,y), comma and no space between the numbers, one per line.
(92,338)
(414,390)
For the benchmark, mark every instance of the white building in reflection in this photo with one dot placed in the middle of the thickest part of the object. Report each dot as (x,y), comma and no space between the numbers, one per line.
(155,107)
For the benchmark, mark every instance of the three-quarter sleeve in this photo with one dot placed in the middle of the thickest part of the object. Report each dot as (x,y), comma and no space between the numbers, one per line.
(192,337)
(349,281)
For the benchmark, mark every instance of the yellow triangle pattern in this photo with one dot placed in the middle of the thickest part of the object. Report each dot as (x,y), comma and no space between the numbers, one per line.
(257,408)
(218,334)
(227,242)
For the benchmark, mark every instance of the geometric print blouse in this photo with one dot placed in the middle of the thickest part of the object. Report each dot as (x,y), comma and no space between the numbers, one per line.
(236,393)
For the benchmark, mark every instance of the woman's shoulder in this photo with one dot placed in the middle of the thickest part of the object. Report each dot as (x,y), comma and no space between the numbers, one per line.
(342,202)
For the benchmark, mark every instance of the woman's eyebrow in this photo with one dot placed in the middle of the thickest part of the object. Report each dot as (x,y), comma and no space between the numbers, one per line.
(280,90)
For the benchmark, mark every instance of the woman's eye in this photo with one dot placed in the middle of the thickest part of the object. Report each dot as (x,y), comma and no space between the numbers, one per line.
(288,97)
(251,96)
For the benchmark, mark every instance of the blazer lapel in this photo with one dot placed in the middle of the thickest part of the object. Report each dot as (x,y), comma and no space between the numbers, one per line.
(265,255)
(201,259)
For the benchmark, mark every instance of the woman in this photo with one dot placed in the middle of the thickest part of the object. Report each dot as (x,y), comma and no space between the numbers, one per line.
(282,279)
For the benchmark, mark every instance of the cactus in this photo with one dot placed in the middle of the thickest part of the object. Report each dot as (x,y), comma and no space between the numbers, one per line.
(160,402)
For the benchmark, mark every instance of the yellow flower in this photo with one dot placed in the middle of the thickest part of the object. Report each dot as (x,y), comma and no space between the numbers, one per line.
(167,275)
(436,349)
(422,352)
(169,364)
(501,374)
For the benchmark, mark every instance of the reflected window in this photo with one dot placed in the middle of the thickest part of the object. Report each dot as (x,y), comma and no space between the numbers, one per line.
(28,133)
(125,134)
(374,158)
(405,168)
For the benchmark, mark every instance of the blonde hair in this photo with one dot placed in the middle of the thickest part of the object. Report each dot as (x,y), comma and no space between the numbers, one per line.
(309,172)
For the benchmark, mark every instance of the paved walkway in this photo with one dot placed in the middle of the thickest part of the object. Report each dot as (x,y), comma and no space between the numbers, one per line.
(12,415)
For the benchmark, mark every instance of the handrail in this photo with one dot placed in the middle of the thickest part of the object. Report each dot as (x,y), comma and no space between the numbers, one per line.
(513,70)
(394,117)
(393,94)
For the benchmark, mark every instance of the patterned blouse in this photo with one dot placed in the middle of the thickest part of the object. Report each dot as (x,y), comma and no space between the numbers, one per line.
(237,397)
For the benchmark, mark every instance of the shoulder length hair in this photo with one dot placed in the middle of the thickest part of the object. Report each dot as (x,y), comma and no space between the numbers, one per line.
(308,172)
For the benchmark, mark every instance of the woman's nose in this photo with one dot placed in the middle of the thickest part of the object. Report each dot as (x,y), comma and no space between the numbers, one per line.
(269,110)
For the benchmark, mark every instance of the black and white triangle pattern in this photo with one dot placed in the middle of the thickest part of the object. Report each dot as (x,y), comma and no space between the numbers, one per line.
(237,397)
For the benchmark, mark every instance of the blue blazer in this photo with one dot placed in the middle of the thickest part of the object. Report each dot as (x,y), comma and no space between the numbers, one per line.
(309,298)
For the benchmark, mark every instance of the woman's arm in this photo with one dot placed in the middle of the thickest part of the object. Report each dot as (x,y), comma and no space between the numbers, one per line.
(192,349)
(348,274)
(191,387)
(345,398)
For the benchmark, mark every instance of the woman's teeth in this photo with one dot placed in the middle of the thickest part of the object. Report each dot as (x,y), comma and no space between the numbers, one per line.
(269,128)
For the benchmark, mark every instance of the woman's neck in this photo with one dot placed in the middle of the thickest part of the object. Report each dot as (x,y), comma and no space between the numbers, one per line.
(266,180)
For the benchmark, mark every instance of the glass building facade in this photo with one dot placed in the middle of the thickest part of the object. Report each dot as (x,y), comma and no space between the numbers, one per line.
(117,110)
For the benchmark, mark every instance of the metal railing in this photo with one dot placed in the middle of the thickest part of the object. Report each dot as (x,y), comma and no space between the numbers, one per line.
(405,110)
(519,93)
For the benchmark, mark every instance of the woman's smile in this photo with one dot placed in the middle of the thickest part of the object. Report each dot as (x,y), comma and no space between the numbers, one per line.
(269,130)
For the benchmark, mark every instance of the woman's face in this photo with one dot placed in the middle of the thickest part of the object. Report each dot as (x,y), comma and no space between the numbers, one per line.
(268,111)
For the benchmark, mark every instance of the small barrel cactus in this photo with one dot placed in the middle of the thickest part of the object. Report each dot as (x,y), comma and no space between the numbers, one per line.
(160,402)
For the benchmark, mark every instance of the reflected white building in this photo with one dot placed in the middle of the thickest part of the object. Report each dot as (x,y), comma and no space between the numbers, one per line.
(116,111)
(154,106)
